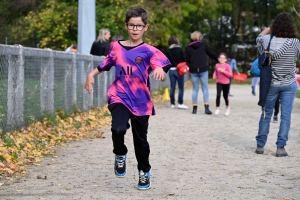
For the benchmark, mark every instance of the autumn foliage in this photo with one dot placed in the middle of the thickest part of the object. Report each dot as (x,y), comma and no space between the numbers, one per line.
(27,146)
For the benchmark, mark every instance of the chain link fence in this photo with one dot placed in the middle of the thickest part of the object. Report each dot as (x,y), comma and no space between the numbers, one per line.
(38,82)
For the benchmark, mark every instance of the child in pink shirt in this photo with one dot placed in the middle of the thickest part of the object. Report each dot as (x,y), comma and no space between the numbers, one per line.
(222,74)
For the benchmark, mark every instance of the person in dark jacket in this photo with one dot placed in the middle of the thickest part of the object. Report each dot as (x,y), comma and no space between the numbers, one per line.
(101,46)
(284,50)
(196,56)
(175,55)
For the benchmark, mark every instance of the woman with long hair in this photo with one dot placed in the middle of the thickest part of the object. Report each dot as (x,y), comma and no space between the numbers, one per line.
(101,46)
(284,50)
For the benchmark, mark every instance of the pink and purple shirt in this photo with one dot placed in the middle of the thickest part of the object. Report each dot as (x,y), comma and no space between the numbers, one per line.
(223,78)
(131,86)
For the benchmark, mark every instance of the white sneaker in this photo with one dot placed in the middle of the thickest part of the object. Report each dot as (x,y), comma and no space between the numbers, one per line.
(227,112)
(217,111)
(182,106)
(172,106)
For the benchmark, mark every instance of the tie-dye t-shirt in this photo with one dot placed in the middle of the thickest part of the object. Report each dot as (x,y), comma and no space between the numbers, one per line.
(131,86)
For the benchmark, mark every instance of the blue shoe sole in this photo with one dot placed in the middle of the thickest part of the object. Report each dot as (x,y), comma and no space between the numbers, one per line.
(120,175)
(144,187)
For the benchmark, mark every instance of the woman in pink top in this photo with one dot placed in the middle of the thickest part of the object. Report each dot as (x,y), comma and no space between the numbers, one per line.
(222,74)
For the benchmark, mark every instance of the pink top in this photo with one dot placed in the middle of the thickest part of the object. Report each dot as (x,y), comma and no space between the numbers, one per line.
(131,86)
(223,78)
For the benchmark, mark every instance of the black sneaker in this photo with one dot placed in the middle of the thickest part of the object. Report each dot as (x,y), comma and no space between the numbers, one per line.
(120,165)
(275,119)
(144,180)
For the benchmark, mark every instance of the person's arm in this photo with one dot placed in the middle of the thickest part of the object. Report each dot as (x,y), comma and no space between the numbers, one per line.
(89,83)
(158,62)
(227,72)
(261,42)
(215,73)
(159,74)
(266,31)
(211,54)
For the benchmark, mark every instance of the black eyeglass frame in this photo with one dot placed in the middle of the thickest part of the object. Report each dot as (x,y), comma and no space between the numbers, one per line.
(135,26)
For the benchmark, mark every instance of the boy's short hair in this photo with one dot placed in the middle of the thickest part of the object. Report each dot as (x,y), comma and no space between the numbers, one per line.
(137,12)
(196,35)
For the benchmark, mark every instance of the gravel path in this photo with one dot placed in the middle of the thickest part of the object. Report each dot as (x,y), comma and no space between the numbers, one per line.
(192,156)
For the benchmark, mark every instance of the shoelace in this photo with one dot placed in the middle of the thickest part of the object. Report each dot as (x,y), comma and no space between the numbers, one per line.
(120,161)
(142,177)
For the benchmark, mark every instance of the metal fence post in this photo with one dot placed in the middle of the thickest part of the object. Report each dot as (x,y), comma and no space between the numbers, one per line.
(88,98)
(47,85)
(15,93)
(74,83)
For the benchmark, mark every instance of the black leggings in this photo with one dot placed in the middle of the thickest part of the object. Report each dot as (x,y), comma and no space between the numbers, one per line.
(139,126)
(225,89)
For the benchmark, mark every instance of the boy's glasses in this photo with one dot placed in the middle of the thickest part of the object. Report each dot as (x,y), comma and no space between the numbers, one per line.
(138,27)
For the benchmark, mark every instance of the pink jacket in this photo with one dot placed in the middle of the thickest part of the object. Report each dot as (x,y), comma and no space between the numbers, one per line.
(223,77)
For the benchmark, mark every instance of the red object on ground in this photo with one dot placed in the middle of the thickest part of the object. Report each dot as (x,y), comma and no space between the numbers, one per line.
(298,80)
(240,77)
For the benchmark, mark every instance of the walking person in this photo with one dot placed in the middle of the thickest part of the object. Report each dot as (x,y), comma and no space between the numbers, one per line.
(196,56)
(284,50)
(175,55)
(233,67)
(100,47)
(129,95)
(222,74)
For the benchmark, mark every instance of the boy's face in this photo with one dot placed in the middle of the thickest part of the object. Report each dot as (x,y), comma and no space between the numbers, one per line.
(136,28)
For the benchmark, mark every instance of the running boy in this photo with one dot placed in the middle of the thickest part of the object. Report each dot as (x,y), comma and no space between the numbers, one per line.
(223,74)
(129,94)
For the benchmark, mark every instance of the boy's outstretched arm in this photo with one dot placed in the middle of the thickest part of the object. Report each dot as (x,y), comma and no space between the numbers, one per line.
(89,83)
(159,74)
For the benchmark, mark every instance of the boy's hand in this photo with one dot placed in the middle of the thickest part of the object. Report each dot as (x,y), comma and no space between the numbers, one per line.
(214,77)
(89,83)
(159,74)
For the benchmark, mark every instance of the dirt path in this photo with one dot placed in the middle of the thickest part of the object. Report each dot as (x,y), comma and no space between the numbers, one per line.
(192,157)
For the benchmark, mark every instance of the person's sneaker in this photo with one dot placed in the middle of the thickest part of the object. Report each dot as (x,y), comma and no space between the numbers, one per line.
(227,112)
(230,95)
(275,119)
(120,165)
(144,180)
(182,106)
(217,111)
(259,150)
(281,152)
(172,106)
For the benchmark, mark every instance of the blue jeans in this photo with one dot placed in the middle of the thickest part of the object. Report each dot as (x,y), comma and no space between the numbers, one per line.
(203,77)
(286,95)
(174,76)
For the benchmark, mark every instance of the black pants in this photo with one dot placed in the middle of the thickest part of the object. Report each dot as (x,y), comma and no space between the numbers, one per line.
(276,107)
(225,89)
(139,125)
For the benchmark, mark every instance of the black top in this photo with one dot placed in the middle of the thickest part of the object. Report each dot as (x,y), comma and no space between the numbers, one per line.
(196,56)
(100,48)
(175,55)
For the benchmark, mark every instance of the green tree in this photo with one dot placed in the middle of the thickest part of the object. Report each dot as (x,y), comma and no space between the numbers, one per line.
(53,26)
(12,10)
